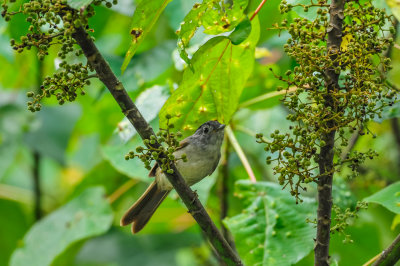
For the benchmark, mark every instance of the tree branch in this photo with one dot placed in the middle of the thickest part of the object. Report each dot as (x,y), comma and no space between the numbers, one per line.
(130,110)
(390,255)
(326,155)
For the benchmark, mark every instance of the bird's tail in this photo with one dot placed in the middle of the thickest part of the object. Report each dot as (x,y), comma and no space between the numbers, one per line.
(140,212)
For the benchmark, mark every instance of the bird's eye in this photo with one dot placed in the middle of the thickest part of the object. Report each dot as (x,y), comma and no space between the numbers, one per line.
(206,130)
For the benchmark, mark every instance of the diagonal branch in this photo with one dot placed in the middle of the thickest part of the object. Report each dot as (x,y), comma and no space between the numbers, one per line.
(391,255)
(96,60)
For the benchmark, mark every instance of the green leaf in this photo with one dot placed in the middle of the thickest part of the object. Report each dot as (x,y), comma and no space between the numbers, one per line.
(241,32)
(389,197)
(78,4)
(85,216)
(215,16)
(213,89)
(144,18)
(394,6)
(119,248)
(12,229)
(272,230)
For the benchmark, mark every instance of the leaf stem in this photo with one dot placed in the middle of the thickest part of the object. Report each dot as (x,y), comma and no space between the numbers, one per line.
(258,9)
(240,153)
(121,190)
(265,96)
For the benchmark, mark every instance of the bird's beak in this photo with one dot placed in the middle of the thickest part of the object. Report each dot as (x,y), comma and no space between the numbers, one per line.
(221,127)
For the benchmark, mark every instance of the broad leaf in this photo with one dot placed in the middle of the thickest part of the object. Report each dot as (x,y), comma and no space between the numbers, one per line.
(214,15)
(119,248)
(86,216)
(389,197)
(241,32)
(212,90)
(272,230)
(144,18)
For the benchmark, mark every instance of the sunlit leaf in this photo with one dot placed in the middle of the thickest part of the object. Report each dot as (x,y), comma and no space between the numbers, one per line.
(272,230)
(214,15)
(144,18)
(85,216)
(389,197)
(212,90)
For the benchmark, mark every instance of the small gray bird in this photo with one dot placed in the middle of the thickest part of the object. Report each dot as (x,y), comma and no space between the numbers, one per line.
(202,150)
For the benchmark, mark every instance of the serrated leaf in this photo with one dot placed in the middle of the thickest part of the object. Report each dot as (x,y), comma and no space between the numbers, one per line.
(78,4)
(85,216)
(272,230)
(213,89)
(241,32)
(215,16)
(389,197)
(144,18)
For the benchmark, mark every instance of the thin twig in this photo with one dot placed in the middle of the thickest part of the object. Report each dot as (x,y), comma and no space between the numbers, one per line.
(391,255)
(240,153)
(266,97)
(352,142)
(121,190)
(372,260)
(117,90)
(258,9)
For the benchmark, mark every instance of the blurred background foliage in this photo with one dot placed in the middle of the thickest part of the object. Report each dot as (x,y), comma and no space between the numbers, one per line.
(77,153)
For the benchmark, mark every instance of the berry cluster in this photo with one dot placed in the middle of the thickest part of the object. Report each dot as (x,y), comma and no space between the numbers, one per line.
(150,153)
(52,23)
(360,97)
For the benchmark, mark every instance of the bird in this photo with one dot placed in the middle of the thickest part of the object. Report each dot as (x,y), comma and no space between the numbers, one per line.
(203,152)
